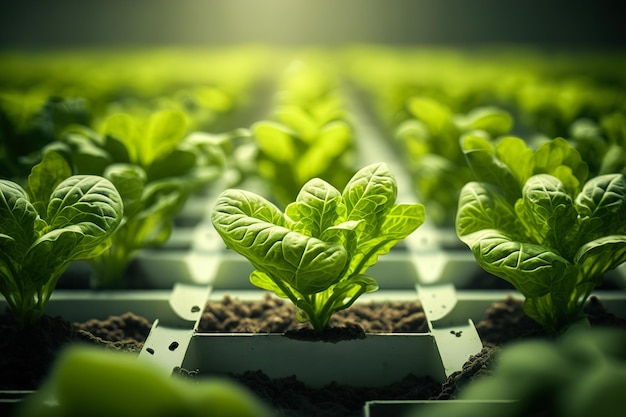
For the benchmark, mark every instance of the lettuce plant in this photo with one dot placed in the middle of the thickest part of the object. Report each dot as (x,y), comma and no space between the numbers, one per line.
(310,135)
(288,157)
(155,165)
(535,220)
(430,141)
(317,252)
(58,218)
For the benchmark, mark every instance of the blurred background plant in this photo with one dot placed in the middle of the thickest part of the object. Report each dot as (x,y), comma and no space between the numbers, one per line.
(121,384)
(310,135)
(581,373)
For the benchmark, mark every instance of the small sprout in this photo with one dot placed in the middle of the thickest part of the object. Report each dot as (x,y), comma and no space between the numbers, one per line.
(155,164)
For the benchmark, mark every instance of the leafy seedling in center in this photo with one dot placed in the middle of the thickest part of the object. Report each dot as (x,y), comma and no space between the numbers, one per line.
(317,252)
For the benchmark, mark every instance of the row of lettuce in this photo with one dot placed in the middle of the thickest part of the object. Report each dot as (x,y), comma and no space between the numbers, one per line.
(102,175)
(428,99)
(524,155)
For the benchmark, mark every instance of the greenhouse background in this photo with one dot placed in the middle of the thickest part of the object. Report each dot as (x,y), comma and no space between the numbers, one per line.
(40,23)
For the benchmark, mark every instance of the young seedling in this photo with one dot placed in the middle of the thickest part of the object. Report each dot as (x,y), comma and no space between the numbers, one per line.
(536,221)
(430,141)
(287,159)
(155,166)
(317,252)
(310,135)
(59,218)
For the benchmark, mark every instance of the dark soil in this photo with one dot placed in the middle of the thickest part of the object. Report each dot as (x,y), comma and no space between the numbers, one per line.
(126,332)
(502,323)
(290,397)
(275,315)
(27,354)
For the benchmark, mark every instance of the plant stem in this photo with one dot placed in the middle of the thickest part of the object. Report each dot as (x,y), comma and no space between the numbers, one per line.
(308,306)
(329,306)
